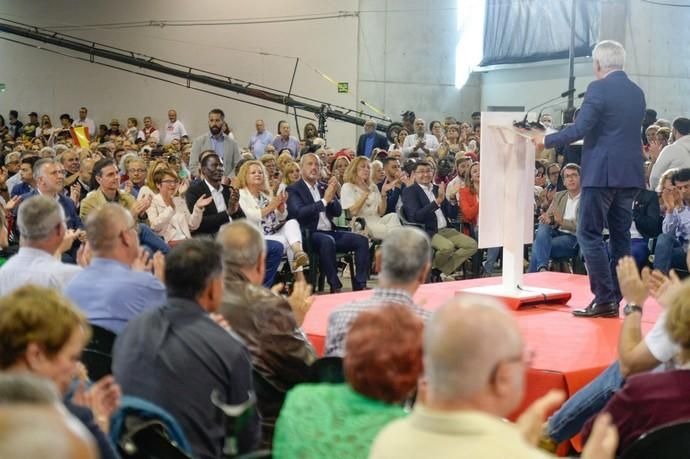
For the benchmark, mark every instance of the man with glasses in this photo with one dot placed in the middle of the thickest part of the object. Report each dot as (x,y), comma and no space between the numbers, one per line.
(672,245)
(556,234)
(116,286)
(425,204)
(475,363)
(136,171)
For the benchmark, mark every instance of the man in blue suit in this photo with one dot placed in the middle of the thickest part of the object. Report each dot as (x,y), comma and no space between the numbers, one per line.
(612,171)
(313,205)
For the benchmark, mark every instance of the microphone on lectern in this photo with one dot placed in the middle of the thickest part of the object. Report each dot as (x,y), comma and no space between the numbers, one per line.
(524,124)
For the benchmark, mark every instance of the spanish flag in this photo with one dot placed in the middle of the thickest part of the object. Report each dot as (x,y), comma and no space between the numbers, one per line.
(80,136)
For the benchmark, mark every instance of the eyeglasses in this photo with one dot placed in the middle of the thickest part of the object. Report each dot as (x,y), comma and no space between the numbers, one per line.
(171,181)
(140,171)
(526,358)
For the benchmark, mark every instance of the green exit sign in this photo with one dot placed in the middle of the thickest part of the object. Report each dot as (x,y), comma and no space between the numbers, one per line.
(2,87)
(343,87)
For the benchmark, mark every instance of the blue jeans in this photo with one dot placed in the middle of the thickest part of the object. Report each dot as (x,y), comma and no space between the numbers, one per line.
(151,241)
(640,251)
(604,208)
(585,403)
(669,253)
(491,257)
(551,243)
(274,254)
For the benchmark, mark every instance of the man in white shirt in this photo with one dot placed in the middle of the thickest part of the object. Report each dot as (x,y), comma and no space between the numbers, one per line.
(41,222)
(86,122)
(419,144)
(675,155)
(174,129)
(425,204)
(474,365)
(556,234)
(260,139)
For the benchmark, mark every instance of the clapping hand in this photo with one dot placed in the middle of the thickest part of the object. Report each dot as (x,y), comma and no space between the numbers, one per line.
(531,421)
(142,205)
(12,203)
(203,201)
(103,398)
(75,193)
(544,219)
(441,196)
(632,286)
(557,217)
(67,240)
(184,186)
(300,300)
(387,186)
(331,190)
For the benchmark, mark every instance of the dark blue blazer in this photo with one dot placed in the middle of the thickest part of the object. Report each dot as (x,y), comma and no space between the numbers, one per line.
(302,207)
(419,209)
(72,216)
(380,141)
(609,121)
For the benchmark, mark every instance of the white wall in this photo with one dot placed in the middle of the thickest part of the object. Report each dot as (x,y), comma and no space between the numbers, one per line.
(407,59)
(658,57)
(48,83)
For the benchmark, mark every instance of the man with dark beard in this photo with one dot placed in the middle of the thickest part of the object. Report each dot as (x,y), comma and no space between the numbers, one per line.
(225,147)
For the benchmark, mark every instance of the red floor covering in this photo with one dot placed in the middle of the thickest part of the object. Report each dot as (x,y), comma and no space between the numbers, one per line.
(568,351)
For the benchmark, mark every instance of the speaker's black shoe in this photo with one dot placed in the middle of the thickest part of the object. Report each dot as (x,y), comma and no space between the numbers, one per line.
(598,310)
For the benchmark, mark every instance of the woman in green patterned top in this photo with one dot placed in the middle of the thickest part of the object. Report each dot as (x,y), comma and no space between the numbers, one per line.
(382,363)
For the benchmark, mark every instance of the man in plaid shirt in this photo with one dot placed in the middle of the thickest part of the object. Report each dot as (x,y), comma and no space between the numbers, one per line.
(405,264)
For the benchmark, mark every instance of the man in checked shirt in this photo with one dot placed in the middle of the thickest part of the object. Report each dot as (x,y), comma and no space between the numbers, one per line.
(405,263)
(672,245)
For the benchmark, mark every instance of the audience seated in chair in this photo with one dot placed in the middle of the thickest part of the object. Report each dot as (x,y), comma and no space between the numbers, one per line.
(225,203)
(426,204)
(363,199)
(393,175)
(654,399)
(42,333)
(474,368)
(636,354)
(672,245)
(115,288)
(313,205)
(405,259)
(269,212)
(179,349)
(383,361)
(43,229)
(268,323)
(556,234)
(646,225)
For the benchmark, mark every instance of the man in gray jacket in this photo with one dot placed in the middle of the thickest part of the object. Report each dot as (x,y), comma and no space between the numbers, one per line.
(224,146)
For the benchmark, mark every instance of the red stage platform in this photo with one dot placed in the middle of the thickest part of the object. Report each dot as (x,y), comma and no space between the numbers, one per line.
(568,351)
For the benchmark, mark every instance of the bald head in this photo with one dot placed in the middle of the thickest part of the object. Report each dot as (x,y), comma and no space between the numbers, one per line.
(40,431)
(243,250)
(464,342)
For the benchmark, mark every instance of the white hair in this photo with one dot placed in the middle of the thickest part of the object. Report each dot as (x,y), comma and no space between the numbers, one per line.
(610,55)
(404,253)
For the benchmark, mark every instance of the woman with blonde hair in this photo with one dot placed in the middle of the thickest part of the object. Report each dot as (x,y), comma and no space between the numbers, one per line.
(291,174)
(151,188)
(269,213)
(362,198)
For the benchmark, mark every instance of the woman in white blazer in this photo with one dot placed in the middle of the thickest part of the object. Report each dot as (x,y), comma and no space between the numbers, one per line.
(269,213)
(168,214)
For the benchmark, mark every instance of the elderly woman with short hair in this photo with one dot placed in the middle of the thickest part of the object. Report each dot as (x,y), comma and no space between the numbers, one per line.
(382,364)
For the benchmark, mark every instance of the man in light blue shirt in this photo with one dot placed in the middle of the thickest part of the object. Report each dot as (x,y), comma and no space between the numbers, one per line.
(259,140)
(115,287)
(672,245)
(285,140)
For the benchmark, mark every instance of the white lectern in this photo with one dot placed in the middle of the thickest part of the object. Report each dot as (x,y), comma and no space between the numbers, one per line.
(506,208)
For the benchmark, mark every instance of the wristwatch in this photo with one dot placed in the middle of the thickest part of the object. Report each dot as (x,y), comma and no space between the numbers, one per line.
(630,308)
